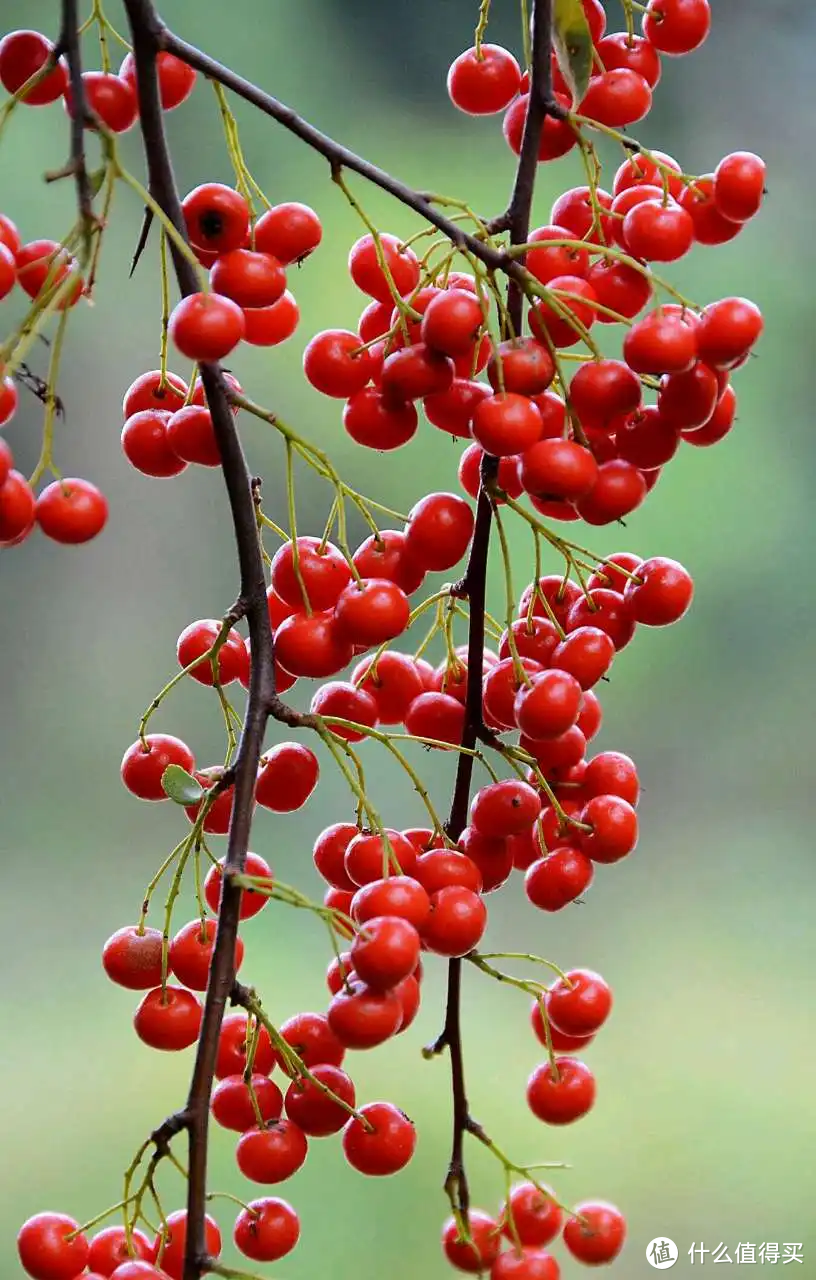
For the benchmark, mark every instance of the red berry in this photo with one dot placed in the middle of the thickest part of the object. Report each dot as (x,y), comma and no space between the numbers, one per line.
(191,436)
(197,639)
(206,326)
(362,1017)
(614,828)
(483,83)
(71,511)
(584,213)
(22,55)
(581,1005)
(146,444)
(506,423)
(368,275)
(231,1102)
(47,1252)
(216,217)
(493,859)
(109,1249)
(549,705)
(43,266)
(290,231)
(661,593)
(688,400)
(372,612)
(269,326)
(619,489)
(718,425)
(596,1233)
(619,96)
(312,1038)
(562,1094)
(318,1114)
(621,50)
(9,399)
(739,185)
(710,225)
(266,1229)
(505,808)
(560,1042)
(251,900)
(436,715)
(401,896)
(529,1264)
(677,26)
(176,78)
(557,136)
(415,372)
(150,391)
(664,341)
(17,508)
(168,1019)
(452,322)
(385,951)
(558,469)
(133,959)
(311,645)
(170,1243)
(439,530)
(384,1148)
(727,331)
(612,773)
(438,868)
(112,98)
(575,297)
(144,763)
(287,776)
(238,1032)
(480,1251)
(249,278)
(457,920)
(191,953)
(554,881)
(535,1217)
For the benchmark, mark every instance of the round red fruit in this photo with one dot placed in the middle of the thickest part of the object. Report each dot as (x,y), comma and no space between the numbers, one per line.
(384,1144)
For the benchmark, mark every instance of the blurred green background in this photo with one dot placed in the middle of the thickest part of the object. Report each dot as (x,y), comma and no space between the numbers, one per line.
(705,1122)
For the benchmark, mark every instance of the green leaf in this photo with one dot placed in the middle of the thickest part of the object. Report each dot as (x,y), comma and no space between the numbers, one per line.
(573,46)
(181,786)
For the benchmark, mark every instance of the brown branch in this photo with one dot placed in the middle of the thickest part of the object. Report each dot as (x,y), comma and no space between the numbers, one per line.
(262,696)
(151,36)
(338,156)
(68,43)
(474,586)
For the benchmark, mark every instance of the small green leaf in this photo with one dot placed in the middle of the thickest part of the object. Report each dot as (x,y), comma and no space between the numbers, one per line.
(180,785)
(96,178)
(573,46)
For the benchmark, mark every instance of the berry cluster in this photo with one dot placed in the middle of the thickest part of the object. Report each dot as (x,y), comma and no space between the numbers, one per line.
(539,441)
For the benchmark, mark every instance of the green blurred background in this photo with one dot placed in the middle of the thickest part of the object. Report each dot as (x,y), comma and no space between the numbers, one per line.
(705,1123)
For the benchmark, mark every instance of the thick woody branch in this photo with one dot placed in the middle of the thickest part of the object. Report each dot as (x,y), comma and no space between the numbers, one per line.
(338,156)
(150,36)
(262,696)
(474,586)
(68,44)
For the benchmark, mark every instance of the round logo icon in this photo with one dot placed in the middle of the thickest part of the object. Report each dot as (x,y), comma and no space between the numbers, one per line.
(661,1253)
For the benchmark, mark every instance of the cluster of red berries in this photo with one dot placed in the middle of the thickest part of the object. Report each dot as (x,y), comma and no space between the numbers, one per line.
(69,510)
(113,97)
(592,452)
(247,299)
(167,424)
(487,79)
(590,449)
